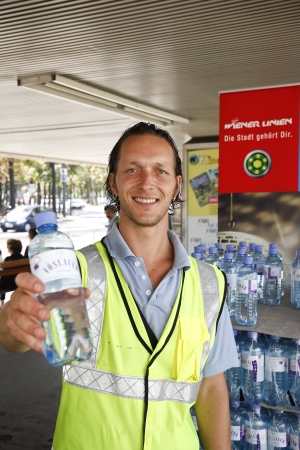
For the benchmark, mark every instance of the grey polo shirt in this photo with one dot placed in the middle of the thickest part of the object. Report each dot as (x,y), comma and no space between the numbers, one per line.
(156,305)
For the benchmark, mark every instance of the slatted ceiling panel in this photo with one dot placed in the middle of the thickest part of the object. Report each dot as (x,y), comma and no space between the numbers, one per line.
(176,55)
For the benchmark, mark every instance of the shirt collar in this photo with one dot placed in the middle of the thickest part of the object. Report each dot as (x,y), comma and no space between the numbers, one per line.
(118,248)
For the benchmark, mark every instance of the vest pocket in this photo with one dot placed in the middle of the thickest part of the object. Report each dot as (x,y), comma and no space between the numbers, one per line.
(193,333)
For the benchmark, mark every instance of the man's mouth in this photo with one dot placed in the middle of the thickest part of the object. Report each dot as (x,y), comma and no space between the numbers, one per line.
(145,200)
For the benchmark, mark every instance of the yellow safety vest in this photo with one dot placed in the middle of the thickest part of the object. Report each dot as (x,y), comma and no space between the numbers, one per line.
(129,396)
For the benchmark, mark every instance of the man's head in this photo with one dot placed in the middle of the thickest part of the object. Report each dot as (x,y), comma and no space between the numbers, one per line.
(142,129)
(14,246)
(110,211)
(32,233)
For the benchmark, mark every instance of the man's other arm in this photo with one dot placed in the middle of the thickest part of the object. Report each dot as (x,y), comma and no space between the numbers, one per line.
(212,412)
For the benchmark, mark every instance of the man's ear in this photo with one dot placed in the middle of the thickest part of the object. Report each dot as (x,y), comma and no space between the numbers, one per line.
(112,184)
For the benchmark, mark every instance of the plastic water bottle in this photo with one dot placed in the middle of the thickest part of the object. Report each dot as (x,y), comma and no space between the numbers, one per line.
(240,253)
(229,268)
(202,250)
(251,250)
(237,421)
(253,357)
(243,244)
(293,373)
(220,250)
(258,263)
(255,430)
(229,248)
(278,431)
(272,278)
(275,373)
(212,257)
(295,280)
(295,432)
(246,294)
(196,255)
(53,260)
(233,375)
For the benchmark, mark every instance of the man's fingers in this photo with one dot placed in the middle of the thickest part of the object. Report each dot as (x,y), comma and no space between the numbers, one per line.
(25,338)
(29,283)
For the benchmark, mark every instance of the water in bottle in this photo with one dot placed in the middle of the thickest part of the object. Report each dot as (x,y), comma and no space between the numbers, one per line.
(53,260)
(293,374)
(240,253)
(275,373)
(212,257)
(246,294)
(237,422)
(229,268)
(278,431)
(255,430)
(251,250)
(272,278)
(258,263)
(253,357)
(295,432)
(295,280)
(233,375)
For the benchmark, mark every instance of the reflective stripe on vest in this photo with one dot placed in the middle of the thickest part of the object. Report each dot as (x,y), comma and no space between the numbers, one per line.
(85,374)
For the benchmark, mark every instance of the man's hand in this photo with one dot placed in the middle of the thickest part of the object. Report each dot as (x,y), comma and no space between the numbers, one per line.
(212,412)
(20,318)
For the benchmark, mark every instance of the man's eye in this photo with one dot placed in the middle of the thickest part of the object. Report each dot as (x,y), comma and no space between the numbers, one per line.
(132,169)
(161,171)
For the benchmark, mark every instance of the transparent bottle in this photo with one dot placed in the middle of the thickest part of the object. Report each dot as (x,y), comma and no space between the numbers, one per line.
(196,254)
(246,294)
(200,249)
(220,253)
(293,374)
(258,263)
(251,250)
(212,257)
(229,268)
(53,260)
(295,432)
(275,373)
(237,422)
(295,280)
(278,431)
(240,253)
(272,278)
(233,375)
(253,357)
(255,430)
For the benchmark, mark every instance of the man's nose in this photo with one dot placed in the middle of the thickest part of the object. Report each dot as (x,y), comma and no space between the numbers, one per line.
(146,180)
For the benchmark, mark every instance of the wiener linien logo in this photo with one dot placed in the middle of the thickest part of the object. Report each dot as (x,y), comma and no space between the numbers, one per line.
(257,163)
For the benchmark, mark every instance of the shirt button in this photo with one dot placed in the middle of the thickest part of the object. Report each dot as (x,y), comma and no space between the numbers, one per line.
(137,263)
(143,277)
(148,292)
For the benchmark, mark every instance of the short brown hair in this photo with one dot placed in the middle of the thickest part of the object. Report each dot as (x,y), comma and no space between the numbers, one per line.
(14,245)
(32,232)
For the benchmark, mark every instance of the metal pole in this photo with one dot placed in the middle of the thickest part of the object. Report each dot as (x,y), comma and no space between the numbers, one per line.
(64,185)
(52,165)
(11,183)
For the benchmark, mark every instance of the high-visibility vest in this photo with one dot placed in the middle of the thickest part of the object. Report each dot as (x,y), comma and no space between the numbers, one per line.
(129,396)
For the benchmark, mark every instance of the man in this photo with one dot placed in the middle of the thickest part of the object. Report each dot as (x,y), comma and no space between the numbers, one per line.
(112,216)
(164,338)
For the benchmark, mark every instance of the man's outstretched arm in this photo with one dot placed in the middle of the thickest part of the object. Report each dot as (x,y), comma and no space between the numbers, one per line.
(212,412)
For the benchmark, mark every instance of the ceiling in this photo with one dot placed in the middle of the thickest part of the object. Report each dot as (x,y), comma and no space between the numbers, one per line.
(176,55)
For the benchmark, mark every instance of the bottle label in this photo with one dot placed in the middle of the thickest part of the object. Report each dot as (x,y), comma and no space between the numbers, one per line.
(293,366)
(273,364)
(277,439)
(295,441)
(256,437)
(246,286)
(55,264)
(272,273)
(231,280)
(255,364)
(295,275)
(239,360)
(259,268)
(237,432)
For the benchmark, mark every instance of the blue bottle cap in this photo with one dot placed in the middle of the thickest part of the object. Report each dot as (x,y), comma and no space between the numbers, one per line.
(230,247)
(219,246)
(45,218)
(241,251)
(258,248)
(243,244)
(273,245)
(247,260)
(255,408)
(235,403)
(235,332)
(273,251)
(212,250)
(252,334)
(228,255)
(198,248)
(196,255)
(298,252)
(252,246)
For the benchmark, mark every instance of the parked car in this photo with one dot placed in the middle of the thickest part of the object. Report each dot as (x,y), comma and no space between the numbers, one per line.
(21,218)
(77,203)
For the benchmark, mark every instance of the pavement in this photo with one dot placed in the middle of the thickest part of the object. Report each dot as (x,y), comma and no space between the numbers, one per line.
(29,398)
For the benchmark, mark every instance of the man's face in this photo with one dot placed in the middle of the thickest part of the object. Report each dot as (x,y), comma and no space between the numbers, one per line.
(109,213)
(145,180)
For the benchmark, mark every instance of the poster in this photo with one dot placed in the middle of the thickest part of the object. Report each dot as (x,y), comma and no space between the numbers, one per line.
(202,197)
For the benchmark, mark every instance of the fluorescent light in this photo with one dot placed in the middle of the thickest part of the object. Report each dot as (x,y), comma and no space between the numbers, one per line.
(79,92)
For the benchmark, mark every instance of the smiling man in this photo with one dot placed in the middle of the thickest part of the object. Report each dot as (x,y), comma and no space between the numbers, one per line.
(162,334)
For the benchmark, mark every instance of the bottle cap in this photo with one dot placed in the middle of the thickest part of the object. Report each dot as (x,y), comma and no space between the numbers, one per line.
(230,248)
(212,250)
(44,218)
(241,250)
(255,408)
(235,332)
(219,246)
(252,246)
(252,334)
(273,251)
(247,260)
(258,248)
(298,252)
(198,248)
(273,245)
(235,403)
(228,255)
(196,255)
(243,244)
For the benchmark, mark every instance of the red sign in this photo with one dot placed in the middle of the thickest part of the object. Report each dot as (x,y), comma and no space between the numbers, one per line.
(259,140)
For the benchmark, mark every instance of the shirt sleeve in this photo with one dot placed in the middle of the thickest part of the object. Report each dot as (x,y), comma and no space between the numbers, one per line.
(223,354)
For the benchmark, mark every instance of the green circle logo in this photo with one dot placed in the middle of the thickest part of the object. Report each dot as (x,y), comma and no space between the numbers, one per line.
(257,163)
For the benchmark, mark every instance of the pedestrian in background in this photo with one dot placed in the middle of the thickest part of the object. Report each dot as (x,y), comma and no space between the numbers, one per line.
(14,248)
(31,234)
(111,214)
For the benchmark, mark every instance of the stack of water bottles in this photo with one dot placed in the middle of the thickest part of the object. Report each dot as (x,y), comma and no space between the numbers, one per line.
(268,370)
